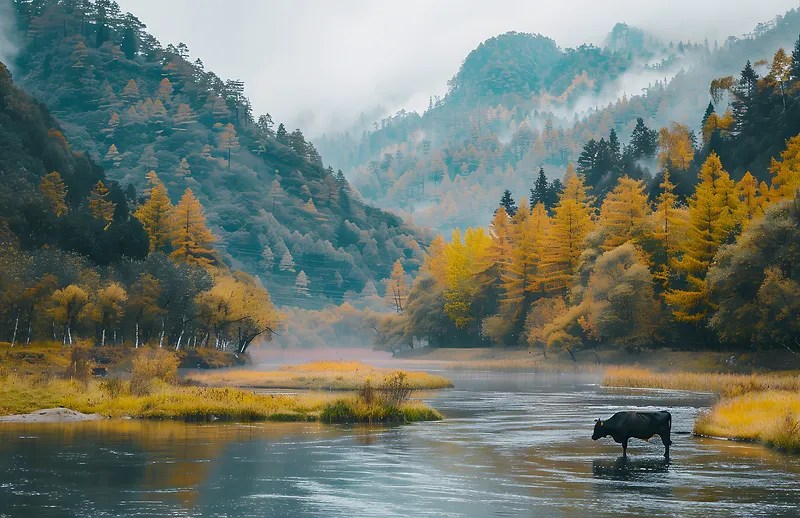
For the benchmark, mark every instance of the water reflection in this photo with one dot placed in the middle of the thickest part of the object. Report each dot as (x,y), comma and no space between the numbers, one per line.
(629,469)
(512,445)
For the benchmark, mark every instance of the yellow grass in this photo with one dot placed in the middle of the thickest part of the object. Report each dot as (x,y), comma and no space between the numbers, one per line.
(724,384)
(20,395)
(321,375)
(771,417)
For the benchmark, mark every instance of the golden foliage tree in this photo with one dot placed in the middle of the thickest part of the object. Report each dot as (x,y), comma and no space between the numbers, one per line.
(107,307)
(624,213)
(712,217)
(102,209)
(675,147)
(786,172)
(156,215)
(523,275)
(396,288)
(570,224)
(55,193)
(67,304)
(193,243)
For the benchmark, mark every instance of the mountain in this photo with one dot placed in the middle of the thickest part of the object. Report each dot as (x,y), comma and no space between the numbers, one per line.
(519,103)
(137,106)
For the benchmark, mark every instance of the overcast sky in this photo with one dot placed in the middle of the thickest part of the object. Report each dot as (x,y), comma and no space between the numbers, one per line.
(318,63)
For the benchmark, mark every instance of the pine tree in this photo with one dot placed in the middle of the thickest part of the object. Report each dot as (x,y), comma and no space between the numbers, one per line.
(571,222)
(184,116)
(282,136)
(794,72)
(301,284)
(508,203)
(156,215)
(193,243)
(709,112)
(101,208)
(624,213)
(540,192)
(55,193)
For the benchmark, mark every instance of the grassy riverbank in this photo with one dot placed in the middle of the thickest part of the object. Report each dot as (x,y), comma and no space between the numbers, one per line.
(20,395)
(771,417)
(321,375)
(763,408)
(724,384)
(151,389)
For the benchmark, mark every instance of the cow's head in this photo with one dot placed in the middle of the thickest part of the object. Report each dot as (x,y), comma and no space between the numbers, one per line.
(599,430)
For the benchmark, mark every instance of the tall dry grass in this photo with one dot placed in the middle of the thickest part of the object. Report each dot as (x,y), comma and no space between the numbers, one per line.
(321,375)
(771,417)
(728,385)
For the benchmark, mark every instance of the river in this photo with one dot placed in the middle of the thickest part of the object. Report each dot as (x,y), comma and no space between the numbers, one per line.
(511,445)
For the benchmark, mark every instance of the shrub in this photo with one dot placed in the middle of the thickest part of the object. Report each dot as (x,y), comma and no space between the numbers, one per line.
(151,365)
(80,364)
(367,392)
(113,387)
(395,390)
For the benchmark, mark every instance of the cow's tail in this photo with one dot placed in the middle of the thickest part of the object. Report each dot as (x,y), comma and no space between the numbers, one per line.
(669,419)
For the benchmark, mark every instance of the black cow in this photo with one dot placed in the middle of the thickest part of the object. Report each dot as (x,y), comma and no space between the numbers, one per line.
(641,425)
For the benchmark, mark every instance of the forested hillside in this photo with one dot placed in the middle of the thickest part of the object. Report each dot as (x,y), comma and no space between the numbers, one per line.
(84,260)
(519,103)
(136,107)
(630,269)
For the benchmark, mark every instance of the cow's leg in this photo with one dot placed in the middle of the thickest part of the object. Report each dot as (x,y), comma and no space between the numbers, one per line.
(625,447)
(667,442)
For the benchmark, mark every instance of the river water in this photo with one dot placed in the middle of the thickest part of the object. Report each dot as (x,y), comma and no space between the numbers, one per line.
(511,445)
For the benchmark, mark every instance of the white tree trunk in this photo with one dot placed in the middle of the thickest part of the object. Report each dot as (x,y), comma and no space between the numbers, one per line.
(103,337)
(161,339)
(136,342)
(69,334)
(16,324)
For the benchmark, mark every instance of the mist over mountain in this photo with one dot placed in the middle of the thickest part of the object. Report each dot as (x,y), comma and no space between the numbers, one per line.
(520,103)
(316,64)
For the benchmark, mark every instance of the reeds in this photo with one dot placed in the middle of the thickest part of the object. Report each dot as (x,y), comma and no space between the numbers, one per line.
(728,385)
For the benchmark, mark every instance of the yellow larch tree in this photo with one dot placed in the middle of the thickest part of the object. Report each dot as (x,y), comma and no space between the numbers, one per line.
(523,276)
(711,220)
(786,172)
(102,209)
(434,259)
(192,242)
(131,91)
(165,90)
(675,147)
(670,225)
(55,193)
(571,222)
(113,155)
(624,214)
(396,287)
(156,215)
(752,203)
